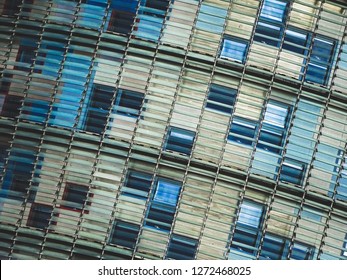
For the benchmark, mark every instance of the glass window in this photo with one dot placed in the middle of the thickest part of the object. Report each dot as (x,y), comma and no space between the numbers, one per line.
(121,16)
(182,248)
(242,131)
(341,189)
(162,206)
(273,10)
(98,108)
(221,98)
(234,48)
(39,215)
(128,103)
(274,127)
(180,140)
(296,41)
(293,171)
(124,234)
(75,195)
(302,252)
(247,227)
(150,19)
(269,29)
(320,65)
(137,185)
(273,247)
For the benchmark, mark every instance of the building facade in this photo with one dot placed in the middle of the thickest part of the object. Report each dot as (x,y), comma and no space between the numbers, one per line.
(182,129)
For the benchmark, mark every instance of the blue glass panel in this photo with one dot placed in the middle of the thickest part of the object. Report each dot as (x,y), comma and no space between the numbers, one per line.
(180,140)
(181,248)
(293,171)
(137,185)
(322,55)
(163,204)
(75,193)
(234,48)
(296,41)
(250,214)
(273,247)
(268,33)
(247,227)
(221,98)
(273,10)
(301,252)
(167,192)
(242,131)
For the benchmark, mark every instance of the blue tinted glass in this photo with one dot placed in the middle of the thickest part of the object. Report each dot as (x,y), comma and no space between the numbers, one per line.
(167,192)
(242,131)
(124,234)
(268,33)
(180,140)
(128,103)
(221,98)
(137,185)
(273,10)
(182,248)
(301,252)
(235,49)
(272,248)
(250,214)
(295,41)
(319,68)
(293,171)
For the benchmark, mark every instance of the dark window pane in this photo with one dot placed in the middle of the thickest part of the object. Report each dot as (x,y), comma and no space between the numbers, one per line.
(221,98)
(124,234)
(180,140)
(128,103)
(77,194)
(273,247)
(163,204)
(182,248)
(293,171)
(242,131)
(137,185)
(296,41)
(302,252)
(39,215)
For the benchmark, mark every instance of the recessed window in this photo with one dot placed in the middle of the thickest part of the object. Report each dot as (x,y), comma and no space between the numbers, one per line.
(269,29)
(182,248)
(124,234)
(234,48)
(39,215)
(247,227)
(221,98)
(163,204)
(242,131)
(122,14)
(293,171)
(274,126)
(320,64)
(137,185)
(296,41)
(128,103)
(301,252)
(150,18)
(98,108)
(273,247)
(75,196)
(180,140)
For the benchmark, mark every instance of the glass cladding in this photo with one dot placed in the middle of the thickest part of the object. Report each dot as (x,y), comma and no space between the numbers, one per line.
(157,129)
